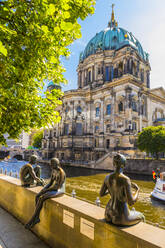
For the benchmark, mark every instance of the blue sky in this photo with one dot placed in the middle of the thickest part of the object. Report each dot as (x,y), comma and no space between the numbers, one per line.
(144,18)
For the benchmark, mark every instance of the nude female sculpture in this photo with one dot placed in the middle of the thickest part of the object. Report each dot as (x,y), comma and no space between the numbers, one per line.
(53,189)
(119,187)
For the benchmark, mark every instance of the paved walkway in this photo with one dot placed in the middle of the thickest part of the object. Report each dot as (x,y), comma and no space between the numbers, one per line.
(14,235)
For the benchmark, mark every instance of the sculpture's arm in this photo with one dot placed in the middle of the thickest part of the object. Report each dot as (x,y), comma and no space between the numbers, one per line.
(61,178)
(47,186)
(103,190)
(130,197)
(33,174)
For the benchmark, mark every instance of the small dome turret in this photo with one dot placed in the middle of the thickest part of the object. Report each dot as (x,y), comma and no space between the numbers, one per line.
(52,86)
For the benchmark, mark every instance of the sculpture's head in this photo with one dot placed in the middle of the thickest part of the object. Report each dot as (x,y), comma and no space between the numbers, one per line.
(54,163)
(119,161)
(33,159)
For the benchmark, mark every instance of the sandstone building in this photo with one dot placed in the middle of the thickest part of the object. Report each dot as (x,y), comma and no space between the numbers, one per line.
(112,103)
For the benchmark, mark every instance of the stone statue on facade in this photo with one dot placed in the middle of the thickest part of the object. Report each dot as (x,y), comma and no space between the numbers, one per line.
(55,188)
(28,174)
(120,187)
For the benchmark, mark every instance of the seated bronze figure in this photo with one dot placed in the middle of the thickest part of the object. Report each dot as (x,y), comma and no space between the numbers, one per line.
(54,188)
(119,187)
(28,174)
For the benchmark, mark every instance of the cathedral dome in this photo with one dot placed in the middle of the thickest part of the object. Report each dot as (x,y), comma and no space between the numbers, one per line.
(112,38)
(52,85)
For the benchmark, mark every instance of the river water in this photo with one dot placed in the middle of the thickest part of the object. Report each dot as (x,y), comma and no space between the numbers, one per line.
(87,183)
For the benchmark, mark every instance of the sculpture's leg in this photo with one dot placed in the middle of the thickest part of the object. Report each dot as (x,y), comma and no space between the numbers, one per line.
(128,218)
(28,180)
(37,170)
(107,212)
(134,217)
(35,218)
(38,196)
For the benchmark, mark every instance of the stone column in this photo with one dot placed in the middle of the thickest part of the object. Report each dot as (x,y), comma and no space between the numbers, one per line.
(80,82)
(113,94)
(102,121)
(93,74)
(102,115)
(139,110)
(78,79)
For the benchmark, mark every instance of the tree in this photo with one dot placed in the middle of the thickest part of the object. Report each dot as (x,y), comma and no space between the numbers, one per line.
(37,139)
(34,34)
(152,139)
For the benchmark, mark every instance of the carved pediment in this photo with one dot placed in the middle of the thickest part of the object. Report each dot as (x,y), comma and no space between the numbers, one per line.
(159,92)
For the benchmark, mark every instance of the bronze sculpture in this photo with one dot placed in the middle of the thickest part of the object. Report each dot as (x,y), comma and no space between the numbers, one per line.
(119,187)
(28,174)
(54,188)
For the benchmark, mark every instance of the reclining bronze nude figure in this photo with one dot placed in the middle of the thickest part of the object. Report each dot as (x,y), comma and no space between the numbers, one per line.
(28,174)
(54,188)
(119,187)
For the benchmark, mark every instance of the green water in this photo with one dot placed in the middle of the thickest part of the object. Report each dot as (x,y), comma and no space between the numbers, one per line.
(88,187)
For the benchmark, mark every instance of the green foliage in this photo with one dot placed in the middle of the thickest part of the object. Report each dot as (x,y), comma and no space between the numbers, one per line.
(30,147)
(37,139)
(34,34)
(152,139)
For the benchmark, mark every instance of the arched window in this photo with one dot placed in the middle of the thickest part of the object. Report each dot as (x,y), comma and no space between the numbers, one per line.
(128,67)
(134,127)
(97,111)
(120,106)
(89,76)
(142,75)
(96,129)
(108,109)
(107,70)
(120,69)
(79,130)
(107,143)
(108,126)
(66,129)
(134,106)
(116,73)
(79,109)
(96,143)
(115,38)
(67,110)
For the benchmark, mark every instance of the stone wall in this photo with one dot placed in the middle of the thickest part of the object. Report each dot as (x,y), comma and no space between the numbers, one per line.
(136,166)
(144,166)
(67,222)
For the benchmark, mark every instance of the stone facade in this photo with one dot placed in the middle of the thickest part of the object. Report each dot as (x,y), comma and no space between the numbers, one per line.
(112,103)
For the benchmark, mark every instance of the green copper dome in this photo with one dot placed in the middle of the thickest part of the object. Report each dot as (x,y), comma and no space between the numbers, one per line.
(53,85)
(112,38)
(50,84)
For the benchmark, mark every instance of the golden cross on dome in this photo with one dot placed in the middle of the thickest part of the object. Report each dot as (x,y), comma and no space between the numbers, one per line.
(113,5)
(112,22)
(113,16)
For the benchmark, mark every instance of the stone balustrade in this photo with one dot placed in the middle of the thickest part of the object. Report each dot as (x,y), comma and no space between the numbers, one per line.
(67,222)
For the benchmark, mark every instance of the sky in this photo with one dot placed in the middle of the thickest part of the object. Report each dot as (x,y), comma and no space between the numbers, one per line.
(144,18)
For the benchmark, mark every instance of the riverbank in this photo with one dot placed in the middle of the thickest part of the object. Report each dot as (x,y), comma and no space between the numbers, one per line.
(140,167)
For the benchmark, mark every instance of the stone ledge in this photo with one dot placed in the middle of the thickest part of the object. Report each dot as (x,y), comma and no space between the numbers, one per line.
(69,222)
